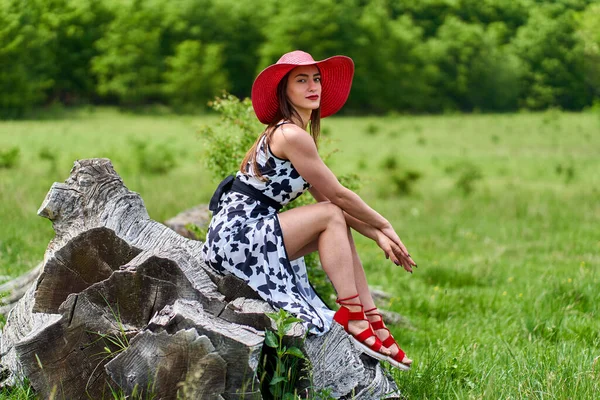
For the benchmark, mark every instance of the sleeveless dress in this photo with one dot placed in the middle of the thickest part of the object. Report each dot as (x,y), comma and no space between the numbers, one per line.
(245,239)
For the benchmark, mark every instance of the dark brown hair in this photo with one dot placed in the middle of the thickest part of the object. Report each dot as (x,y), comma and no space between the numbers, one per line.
(286,112)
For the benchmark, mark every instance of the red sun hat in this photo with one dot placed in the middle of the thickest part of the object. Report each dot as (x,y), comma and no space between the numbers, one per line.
(336,81)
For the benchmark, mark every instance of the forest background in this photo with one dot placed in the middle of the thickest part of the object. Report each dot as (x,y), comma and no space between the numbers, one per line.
(418,56)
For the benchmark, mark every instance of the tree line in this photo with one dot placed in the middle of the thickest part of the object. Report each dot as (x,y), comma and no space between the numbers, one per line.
(410,55)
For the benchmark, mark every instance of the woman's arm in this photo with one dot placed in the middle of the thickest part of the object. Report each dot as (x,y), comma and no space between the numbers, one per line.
(390,249)
(359,226)
(298,146)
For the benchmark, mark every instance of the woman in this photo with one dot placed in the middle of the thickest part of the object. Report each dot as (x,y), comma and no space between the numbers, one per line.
(250,239)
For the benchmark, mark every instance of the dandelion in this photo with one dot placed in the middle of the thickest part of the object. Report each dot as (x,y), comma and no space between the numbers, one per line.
(510,279)
(569,280)
(520,294)
(436,288)
(504,293)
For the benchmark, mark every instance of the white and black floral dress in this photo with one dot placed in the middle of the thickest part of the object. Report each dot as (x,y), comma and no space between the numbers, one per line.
(244,238)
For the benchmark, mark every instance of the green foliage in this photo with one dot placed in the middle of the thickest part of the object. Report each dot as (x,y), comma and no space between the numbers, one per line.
(22,391)
(372,129)
(226,144)
(131,59)
(194,74)
(431,55)
(466,175)
(553,61)
(9,158)
(198,232)
(280,370)
(588,30)
(77,25)
(25,55)
(154,158)
(397,180)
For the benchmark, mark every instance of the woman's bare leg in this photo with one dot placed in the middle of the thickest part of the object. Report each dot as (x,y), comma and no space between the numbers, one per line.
(324,224)
(361,285)
(365,296)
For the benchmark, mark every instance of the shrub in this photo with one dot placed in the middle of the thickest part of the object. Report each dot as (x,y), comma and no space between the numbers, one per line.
(9,158)
(466,175)
(156,159)
(398,181)
(372,129)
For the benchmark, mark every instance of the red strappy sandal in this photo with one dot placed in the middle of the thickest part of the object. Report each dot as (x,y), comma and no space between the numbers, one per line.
(396,361)
(344,315)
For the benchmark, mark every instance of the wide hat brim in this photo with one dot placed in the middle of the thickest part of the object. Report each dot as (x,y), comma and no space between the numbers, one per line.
(336,80)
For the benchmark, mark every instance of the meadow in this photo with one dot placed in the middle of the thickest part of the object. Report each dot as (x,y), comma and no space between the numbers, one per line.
(500,212)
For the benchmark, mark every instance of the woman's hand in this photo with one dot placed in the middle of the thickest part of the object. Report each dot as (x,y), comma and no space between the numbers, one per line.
(394,249)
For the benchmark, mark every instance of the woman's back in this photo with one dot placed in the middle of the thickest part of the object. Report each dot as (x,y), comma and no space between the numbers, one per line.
(283,183)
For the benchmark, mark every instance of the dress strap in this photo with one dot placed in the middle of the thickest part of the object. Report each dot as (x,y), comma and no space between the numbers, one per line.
(282,123)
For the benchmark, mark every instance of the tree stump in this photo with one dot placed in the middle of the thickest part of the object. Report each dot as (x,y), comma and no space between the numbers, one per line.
(124,303)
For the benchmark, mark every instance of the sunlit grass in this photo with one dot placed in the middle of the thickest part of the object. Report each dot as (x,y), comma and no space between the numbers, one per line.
(505,300)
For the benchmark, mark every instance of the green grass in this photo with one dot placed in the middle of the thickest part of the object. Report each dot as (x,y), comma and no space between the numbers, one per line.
(505,300)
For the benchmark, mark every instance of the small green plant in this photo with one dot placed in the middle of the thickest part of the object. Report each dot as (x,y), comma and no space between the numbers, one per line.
(466,176)
(198,232)
(157,159)
(398,181)
(390,162)
(23,391)
(114,343)
(47,154)
(372,129)
(568,171)
(9,158)
(280,369)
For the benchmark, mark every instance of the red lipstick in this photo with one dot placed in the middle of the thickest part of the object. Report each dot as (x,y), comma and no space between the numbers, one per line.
(313,97)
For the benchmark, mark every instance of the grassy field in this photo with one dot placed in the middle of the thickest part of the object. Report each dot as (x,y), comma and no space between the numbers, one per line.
(500,212)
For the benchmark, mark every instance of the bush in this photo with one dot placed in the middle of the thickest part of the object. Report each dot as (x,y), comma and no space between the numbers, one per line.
(466,175)
(9,158)
(157,159)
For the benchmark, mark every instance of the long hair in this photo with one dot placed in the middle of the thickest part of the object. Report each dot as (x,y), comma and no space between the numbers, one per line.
(286,112)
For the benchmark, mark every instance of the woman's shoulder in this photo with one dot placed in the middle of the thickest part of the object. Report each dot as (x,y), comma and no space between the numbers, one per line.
(289,136)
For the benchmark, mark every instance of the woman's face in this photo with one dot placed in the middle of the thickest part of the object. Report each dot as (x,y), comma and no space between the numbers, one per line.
(304,88)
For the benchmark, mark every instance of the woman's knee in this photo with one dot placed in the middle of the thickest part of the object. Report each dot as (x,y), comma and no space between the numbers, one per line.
(335,214)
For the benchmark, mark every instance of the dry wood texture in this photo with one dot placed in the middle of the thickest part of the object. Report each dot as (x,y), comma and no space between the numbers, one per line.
(122,300)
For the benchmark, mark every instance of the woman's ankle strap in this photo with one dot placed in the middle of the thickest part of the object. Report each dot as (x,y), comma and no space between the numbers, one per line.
(345,300)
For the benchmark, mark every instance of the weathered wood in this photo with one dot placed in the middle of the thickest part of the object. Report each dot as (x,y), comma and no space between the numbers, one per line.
(90,257)
(12,291)
(156,363)
(239,345)
(248,312)
(73,347)
(127,301)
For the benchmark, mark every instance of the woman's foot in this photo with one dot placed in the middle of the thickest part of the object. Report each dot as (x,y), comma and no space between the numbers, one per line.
(352,318)
(355,327)
(397,357)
